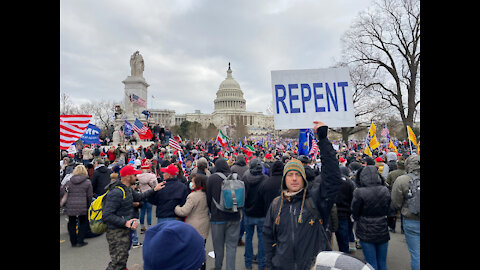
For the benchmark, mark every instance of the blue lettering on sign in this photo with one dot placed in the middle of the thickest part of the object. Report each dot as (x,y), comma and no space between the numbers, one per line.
(306,95)
(281,99)
(305,86)
(317,96)
(293,97)
(329,94)
(343,84)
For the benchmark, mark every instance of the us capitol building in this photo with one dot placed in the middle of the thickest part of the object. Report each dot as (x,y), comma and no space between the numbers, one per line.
(229,110)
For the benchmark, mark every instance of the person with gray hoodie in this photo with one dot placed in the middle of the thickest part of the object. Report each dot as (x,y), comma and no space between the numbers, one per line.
(411,222)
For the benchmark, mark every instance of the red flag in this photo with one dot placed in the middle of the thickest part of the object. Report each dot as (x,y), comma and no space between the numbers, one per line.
(147,136)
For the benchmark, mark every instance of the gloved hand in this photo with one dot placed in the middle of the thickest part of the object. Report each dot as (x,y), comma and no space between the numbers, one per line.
(321,129)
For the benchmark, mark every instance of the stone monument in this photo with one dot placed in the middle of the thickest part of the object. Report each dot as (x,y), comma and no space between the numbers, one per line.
(134,99)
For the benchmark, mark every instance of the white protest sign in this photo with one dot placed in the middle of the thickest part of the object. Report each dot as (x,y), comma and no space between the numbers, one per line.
(303,96)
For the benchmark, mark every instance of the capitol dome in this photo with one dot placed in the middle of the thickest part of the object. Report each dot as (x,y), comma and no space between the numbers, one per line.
(229,94)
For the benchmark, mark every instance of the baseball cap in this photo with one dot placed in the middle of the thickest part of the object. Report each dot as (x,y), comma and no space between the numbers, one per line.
(128,170)
(170,169)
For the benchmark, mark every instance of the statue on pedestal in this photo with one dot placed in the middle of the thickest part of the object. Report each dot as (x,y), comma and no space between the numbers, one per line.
(137,65)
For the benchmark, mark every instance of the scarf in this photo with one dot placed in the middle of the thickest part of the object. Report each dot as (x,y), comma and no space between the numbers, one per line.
(291,194)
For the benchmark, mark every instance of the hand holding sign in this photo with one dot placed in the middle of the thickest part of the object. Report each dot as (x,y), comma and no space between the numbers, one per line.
(321,132)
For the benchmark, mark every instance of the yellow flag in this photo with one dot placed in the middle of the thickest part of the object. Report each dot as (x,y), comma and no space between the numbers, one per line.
(411,136)
(392,146)
(374,142)
(372,130)
(418,148)
(367,151)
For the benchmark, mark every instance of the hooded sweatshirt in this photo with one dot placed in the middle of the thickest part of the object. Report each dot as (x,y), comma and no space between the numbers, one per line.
(370,206)
(253,179)
(214,186)
(271,187)
(401,186)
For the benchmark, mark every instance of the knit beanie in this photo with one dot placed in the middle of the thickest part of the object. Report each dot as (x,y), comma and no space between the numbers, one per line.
(173,244)
(293,165)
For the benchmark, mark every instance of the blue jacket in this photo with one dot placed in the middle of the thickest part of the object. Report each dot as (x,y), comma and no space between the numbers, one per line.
(174,193)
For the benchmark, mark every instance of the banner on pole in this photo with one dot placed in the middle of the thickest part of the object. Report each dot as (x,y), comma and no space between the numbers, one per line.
(91,135)
(303,96)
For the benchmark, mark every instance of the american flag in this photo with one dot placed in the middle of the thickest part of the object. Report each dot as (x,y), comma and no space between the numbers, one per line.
(139,127)
(385,131)
(173,143)
(314,150)
(138,100)
(72,128)
(184,168)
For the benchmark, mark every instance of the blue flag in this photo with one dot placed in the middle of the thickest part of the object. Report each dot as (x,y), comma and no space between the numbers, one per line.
(127,130)
(91,135)
(303,144)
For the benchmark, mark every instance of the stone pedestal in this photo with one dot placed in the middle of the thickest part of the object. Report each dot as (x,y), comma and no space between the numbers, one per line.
(138,86)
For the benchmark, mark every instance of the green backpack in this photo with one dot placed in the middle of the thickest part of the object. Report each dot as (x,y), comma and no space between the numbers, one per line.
(95,213)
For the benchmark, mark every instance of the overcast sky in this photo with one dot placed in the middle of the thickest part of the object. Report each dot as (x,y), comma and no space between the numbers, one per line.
(187,44)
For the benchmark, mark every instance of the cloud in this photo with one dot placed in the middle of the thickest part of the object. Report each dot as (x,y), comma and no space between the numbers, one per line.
(186,46)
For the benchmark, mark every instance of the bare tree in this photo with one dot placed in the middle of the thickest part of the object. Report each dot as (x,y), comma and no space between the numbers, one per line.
(386,40)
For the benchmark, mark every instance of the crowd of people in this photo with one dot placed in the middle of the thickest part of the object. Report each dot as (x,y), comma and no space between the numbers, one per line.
(295,202)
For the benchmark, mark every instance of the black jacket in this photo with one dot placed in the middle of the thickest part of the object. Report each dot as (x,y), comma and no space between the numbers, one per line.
(297,244)
(253,201)
(116,210)
(100,180)
(174,193)
(271,187)
(345,196)
(214,186)
(370,205)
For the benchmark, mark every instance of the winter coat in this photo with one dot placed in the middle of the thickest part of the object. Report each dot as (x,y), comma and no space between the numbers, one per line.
(271,187)
(196,211)
(80,194)
(147,181)
(298,243)
(214,186)
(100,179)
(344,197)
(117,210)
(253,200)
(370,206)
(174,193)
(239,167)
(87,153)
(401,186)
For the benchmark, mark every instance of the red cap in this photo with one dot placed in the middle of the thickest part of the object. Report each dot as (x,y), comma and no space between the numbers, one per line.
(171,169)
(342,160)
(128,170)
(268,156)
(379,159)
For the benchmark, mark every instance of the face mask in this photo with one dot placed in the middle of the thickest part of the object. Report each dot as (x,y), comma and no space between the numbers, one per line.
(191,185)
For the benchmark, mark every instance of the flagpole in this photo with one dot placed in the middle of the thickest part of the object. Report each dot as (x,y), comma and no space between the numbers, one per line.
(410,141)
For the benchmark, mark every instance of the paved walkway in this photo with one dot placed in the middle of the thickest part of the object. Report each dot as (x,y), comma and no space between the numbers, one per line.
(95,255)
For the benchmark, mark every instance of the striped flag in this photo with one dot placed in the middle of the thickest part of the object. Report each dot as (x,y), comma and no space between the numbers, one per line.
(182,164)
(72,128)
(221,138)
(138,100)
(314,150)
(139,127)
(385,132)
(174,144)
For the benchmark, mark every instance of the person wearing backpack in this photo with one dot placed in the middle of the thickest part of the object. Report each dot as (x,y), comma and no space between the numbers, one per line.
(254,212)
(407,198)
(294,229)
(118,215)
(225,226)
